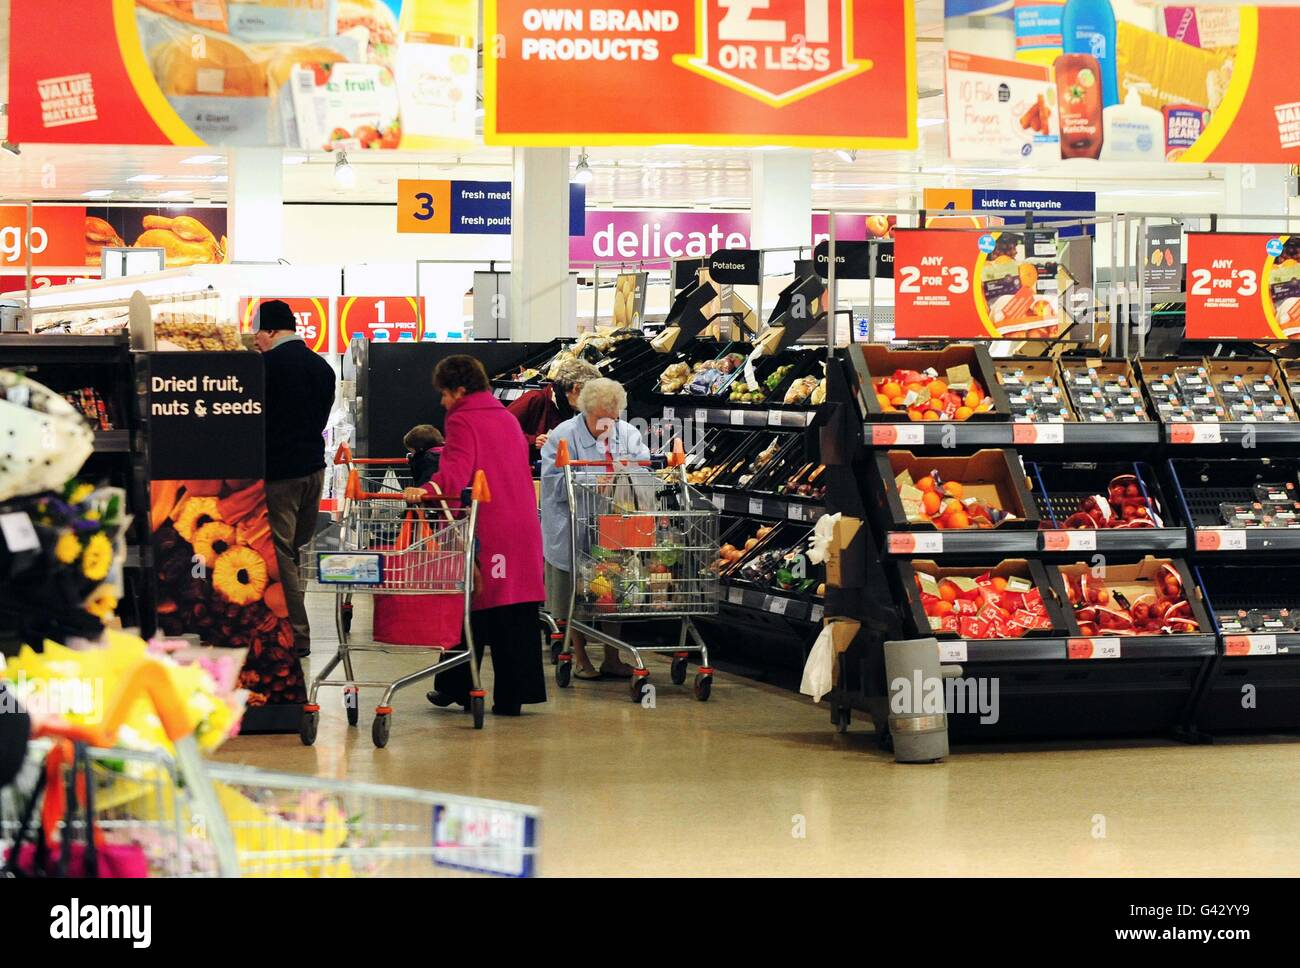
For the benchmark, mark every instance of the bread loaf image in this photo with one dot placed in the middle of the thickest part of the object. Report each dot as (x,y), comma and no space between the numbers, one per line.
(224,70)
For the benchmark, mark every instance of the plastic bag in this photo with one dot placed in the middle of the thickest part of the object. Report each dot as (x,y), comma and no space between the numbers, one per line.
(823,533)
(819,670)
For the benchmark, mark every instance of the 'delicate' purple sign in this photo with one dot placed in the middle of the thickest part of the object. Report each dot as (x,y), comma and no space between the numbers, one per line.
(655,237)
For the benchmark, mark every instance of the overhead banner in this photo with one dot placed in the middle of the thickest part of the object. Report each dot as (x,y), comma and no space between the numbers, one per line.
(442,207)
(352,74)
(975,285)
(75,235)
(1130,83)
(311,318)
(1243,286)
(779,72)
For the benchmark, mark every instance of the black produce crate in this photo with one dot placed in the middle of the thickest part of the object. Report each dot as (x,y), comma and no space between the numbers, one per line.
(647,384)
(1059,487)
(1202,485)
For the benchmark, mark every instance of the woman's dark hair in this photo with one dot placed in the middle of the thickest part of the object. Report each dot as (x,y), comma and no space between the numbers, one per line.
(456,372)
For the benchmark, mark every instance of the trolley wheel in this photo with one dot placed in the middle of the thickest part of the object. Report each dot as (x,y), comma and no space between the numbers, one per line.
(307,727)
(564,672)
(637,687)
(352,705)
(557,646)
(476,707)
(379,731)
(679,670)
(703,686)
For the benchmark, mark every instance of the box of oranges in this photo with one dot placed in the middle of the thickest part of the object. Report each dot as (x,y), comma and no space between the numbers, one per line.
(1009,600)
(954,384)
(984,491)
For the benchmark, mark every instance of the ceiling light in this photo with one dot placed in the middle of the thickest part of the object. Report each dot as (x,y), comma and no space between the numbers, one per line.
(295,159)
(145,178)
(846,155)
(10,147)
(174,193)
(582,173)
(204,160)
(343,173)
(97,193)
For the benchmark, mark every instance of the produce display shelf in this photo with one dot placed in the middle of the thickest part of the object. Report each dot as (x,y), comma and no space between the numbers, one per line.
(775,602)
(1214,434)
(1232,586)
(1078,649)
(939,433)
(765,506)
(112,441)
(739,416)
(961,542)
(1061,488)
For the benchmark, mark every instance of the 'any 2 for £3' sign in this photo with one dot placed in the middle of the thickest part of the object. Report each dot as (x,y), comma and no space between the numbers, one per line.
(934,284)
(1243,286)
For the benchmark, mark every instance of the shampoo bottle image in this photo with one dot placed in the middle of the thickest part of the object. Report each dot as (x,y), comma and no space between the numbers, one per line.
(1088,27)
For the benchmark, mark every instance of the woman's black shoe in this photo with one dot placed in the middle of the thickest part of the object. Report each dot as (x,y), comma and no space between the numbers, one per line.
(442,700)
(507,710)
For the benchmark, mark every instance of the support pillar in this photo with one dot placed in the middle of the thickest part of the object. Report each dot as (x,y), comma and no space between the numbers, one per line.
(255,206)
(541,307)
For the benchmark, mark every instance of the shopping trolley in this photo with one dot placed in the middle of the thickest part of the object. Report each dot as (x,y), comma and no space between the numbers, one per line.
(114,810)
(641,543)
(371,550)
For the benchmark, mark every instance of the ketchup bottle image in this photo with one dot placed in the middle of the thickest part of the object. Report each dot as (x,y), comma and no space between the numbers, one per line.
(1079,97)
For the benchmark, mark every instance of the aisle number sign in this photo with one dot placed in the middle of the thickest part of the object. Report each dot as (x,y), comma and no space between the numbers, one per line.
(311,318)
(381,319)
(974,284)
(729,72)
(1243,286)
(441,207)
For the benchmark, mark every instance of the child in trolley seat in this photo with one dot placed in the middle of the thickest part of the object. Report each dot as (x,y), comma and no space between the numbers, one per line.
(423,444)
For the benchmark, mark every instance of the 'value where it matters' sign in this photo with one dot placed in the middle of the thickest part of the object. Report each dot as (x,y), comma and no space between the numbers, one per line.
(725,72)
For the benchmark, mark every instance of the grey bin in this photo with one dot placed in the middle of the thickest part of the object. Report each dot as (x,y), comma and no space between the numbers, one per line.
(919,735)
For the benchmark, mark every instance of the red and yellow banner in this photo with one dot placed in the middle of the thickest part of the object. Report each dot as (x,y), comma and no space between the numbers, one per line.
(965,284)
(780,72)
(74,235)
(381,319)
(1243,286)
(311,318)
(360,74)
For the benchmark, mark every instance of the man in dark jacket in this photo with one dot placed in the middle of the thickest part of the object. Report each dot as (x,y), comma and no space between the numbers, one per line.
(299,397)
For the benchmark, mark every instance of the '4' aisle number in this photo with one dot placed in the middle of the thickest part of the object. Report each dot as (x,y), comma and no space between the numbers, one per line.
(1247,282)
(958,279)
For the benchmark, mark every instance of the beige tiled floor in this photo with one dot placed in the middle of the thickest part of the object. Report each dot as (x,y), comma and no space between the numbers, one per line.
(720,787)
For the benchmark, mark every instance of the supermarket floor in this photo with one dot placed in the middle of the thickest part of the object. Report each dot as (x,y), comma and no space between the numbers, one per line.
(719,788)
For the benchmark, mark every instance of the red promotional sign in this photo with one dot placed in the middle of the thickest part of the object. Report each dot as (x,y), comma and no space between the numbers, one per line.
(39,281)
(57,238)
(310,314)
(382,319)
(792,72)
(972,285)
(1243,286)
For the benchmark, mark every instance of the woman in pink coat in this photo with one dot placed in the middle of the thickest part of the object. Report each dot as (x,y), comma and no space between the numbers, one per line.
(482,435)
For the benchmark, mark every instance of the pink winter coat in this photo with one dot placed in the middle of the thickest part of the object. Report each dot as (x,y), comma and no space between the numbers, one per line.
(482,435)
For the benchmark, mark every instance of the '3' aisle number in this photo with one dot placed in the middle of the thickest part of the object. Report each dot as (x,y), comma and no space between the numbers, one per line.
(424,205)
(425,211)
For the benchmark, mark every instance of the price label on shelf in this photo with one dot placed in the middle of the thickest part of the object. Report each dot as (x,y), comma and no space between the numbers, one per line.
(1028,433)
(907,543)
(756,506)
(794,512)
(952,651)
(669,413)
(737,418)
(1220,539)
(1195,433)
(735,596)
(777,605)
(1250,645)
(816,613)
(1106,647)
(901,435)
(720,501)
(1069,540)
(701,417)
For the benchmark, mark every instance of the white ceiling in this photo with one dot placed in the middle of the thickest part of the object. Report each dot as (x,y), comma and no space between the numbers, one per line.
(668,176)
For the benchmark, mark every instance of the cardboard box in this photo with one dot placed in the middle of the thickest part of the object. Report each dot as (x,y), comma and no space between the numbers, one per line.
(993,476)
(843,632)
(1131,581)
(840,569)
(1032,571)
(873,361)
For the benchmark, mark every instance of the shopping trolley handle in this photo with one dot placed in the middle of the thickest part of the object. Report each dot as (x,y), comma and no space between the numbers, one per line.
(344,456)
